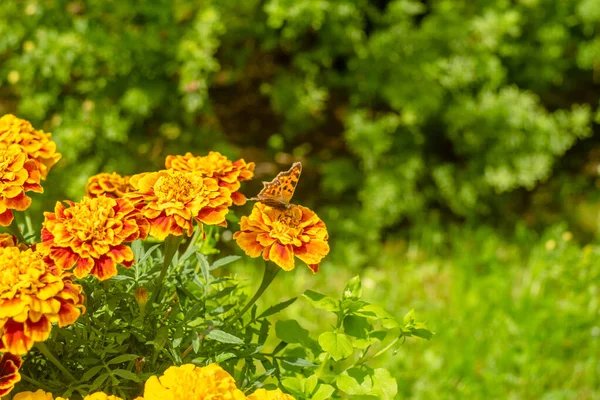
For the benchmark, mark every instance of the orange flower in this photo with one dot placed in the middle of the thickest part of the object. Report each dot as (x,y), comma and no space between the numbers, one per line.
(89,235)
(36,144)
(37,395)
(8,240)
(170,200)
(33,295)
(188,382)
(217,166)
(281,234)
(112,185)
(17,176)
(263,394)
(9,372)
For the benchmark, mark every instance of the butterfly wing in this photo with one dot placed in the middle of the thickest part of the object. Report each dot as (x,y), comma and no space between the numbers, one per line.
(280,190)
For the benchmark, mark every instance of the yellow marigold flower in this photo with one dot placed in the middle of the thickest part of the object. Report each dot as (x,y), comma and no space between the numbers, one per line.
(8,240)
(216,166)
(9,372)
(35,143)
(281,234)
(111,185)
(33,295)
(263,394)
(101,396)
(189,382)
(89,235)
(37,395)
(17,176)
(170,200)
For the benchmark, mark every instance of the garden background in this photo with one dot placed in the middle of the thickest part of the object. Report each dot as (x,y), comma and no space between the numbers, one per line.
(452,148)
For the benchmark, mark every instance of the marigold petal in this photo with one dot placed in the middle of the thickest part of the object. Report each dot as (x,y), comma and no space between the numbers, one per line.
(83,267)
(38,331)
(248,242)
(104,268)
(280,255)
(6,218)
(312,252)
(14,339)
(12,307)
(68,314)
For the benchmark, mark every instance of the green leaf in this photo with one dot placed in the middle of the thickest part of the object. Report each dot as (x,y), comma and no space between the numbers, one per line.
(385,386)
(224,357)
(323,392)
(298,362)
(122,358)
(91,372)
(353,289)
(336,344)
(223,261)
(204,267)
(354,382)
(277,307)
(291,332)
(294,385)
(322,302)
(126,374)
(223,337)
(310,384)
(99,381)
(356,326)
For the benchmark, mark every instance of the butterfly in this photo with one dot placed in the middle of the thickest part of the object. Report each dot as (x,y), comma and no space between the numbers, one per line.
(279,191)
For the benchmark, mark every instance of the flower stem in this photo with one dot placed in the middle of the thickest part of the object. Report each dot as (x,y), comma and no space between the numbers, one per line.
(41,346)
(14,229)
(171,246)
(271,271)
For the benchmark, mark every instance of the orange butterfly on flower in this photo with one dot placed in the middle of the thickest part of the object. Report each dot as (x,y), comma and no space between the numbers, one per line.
(280,230)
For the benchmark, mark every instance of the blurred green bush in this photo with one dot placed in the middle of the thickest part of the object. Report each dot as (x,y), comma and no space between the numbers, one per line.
(405,112)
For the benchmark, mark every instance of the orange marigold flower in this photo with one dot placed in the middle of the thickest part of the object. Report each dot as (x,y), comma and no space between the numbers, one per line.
(17,176)
(263,394)
(217,166)
(37,395)
(112,185)
(189,382)
(170,200)
(9,372)
(281,234)
(89,235)
(35,143)
(33,295)
(8,240)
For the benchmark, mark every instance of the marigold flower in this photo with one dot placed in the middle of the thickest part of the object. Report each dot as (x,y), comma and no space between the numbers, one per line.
(8,240)
(101,396)
(189,382)
(111,185)
(35,143)
(89,235)
(33,295)
(263,394)
(217,166)
(9,372)
(170,200)
(37,395)
(281,234)
(17,176)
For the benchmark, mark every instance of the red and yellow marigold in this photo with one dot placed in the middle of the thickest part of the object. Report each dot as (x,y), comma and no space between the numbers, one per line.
(8,240)
(279,235)
(89,236)
(111,185)
(189,382)
(263,394)
(9,372)
(18,175)
(33,295)
(171,200)
(35,143)
(216,166)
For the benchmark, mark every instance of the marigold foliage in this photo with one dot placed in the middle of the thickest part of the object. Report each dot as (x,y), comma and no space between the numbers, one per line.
(189,382)
(279,235)
(89,236)
(171,200)
(33,295)
(18,175)
(216,166)
(110,185)
(9,372)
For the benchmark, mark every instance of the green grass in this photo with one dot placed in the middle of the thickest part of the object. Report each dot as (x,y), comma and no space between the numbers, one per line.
(515,318)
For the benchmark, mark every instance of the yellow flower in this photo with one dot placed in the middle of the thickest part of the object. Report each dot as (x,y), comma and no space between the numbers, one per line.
(263,394)
(33,295)
(282,234)
(8,240)
(9,372)
(111,185)
(17,176)
(101,396)
(35,143)
(171,200)
(90,235)
(37,395)
(188,382)
(216,166)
